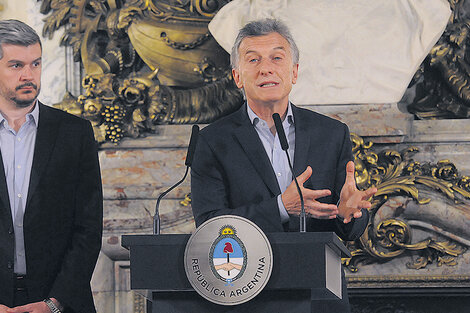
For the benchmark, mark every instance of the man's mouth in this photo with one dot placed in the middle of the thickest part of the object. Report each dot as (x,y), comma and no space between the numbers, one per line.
(27,86)
(268,84)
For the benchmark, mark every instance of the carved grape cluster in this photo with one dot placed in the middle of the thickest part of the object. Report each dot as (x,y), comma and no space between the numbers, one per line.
(113,117)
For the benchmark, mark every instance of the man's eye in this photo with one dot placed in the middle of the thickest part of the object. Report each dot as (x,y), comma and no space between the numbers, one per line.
(253,60)
(16,65)
(36,64)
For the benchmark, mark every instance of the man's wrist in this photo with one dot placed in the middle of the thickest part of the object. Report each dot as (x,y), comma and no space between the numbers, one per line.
(53,305)
(57,303)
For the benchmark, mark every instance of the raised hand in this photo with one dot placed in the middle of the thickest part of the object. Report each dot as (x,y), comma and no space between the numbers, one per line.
(353,200)
(291,200)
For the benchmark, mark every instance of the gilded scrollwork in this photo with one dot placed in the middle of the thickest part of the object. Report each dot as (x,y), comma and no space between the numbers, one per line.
(441,86)
(146,63)
(396,174)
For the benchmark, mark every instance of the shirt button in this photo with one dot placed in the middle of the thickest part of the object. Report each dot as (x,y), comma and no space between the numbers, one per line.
(19,139)
(19,166)
(20,253)
(19,195)
(279,174)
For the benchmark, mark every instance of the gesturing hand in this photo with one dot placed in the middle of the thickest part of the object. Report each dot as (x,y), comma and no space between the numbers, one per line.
(353,200)
(291,200)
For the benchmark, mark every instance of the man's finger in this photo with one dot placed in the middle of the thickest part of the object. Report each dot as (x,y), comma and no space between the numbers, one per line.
(321,212)
(350,168)
(357,214)
(369,193)
(365,204)
(302,178)
(3,308)
(322,216)
(315,194)
(19,309)
(322,207)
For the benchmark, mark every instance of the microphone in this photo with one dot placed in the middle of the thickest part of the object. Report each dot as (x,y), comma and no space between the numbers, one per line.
(192,145)
(188,162)
(285,147)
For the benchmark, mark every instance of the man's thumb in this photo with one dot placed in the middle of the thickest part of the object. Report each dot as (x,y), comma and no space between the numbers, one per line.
(350,168)
(302,178)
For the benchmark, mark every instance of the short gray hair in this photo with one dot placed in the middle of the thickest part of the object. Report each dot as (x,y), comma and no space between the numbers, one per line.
(15,32)
(261,28)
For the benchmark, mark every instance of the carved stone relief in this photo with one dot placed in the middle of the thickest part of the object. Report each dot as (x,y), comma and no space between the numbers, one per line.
(146,63)
(154,62)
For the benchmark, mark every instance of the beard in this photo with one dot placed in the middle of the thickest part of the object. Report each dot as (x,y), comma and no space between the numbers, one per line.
(24,103)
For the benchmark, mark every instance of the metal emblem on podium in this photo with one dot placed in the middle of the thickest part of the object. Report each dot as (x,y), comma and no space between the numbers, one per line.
(228,260)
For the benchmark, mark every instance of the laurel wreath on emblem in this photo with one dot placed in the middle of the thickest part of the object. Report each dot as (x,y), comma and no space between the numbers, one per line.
(228,257)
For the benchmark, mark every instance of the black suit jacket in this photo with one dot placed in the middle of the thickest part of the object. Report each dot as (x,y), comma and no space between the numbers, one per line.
(63,215)
(231,172)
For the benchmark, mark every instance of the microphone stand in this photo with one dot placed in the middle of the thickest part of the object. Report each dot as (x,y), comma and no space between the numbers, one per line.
(156,217)
(285,147)
(188,162)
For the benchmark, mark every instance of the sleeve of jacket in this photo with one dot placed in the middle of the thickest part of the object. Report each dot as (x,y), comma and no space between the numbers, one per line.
(72,283)
(354,229)
(210,188)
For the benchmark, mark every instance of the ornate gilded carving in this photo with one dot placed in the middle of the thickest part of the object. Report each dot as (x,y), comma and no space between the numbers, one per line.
(140,303)
(187,200)
(146,63)
(395,173)
(441,87)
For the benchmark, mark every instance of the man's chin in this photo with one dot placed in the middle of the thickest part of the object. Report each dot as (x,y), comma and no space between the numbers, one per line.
(23,103)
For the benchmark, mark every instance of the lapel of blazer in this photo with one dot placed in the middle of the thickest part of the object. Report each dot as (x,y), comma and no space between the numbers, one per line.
(48,129)
(303,132)
(5,209)
(253,147)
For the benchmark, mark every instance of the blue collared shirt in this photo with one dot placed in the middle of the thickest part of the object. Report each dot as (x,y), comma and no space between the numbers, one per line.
(276,155)
(17,150)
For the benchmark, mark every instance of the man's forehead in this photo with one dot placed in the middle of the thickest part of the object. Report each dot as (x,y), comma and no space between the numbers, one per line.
(279,48)
(13,45)
(272,41)
(17,52)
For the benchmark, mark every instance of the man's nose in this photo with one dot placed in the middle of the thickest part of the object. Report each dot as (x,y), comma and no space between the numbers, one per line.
(265,67)
(26,73)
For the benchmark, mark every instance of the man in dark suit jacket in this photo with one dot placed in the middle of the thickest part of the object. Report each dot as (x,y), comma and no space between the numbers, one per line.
(238,167)
(51,222)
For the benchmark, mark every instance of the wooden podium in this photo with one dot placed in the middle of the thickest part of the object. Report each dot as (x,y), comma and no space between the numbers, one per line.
(306,270)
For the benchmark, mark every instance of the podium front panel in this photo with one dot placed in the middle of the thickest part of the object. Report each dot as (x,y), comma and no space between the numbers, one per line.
(306,270)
